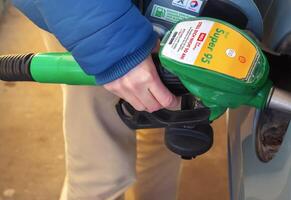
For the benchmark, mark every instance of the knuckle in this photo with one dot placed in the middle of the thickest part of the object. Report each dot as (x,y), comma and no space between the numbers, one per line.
(131,85)
(108,86)
(117,87)
(113,87)
(147,77)
(151,78)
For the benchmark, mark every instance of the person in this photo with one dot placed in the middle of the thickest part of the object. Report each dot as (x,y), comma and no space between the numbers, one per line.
(112,41)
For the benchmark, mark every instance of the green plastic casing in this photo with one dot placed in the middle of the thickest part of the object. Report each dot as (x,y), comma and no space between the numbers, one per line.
(219,91)
(59,68)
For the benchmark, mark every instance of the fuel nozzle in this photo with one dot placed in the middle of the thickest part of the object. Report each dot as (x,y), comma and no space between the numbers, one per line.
(199,58)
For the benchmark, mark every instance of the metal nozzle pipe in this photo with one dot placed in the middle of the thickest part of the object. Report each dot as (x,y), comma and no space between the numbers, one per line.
(280,100)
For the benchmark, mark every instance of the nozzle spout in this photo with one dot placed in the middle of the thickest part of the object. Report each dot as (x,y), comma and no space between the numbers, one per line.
(280,100)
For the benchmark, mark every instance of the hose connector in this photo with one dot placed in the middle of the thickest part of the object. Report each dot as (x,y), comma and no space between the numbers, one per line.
(16,67)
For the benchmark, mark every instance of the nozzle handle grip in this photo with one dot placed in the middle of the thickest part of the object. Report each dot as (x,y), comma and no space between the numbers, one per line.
(160,119)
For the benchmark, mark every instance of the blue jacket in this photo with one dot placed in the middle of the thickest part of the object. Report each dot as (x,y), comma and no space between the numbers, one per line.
(106,37)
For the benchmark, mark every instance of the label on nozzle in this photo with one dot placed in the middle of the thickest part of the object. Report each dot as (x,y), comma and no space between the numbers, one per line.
(213,46)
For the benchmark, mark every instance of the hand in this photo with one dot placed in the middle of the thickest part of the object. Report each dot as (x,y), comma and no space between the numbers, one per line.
(143,89)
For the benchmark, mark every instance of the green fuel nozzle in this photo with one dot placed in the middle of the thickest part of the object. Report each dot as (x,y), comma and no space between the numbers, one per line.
(218,63)
(211,60)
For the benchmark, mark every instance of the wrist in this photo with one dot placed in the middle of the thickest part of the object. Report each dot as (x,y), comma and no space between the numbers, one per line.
(127,63)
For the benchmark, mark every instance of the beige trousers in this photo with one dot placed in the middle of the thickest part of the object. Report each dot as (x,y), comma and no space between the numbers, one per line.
(104,158)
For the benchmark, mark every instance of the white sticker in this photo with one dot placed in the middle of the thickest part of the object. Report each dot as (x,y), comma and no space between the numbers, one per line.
(186,40)
(192,5)
(230,53)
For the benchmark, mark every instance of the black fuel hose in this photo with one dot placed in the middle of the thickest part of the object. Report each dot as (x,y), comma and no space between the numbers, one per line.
(16,67)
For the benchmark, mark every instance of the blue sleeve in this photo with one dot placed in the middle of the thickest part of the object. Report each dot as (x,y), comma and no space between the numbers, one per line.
(31,11)
(106,37)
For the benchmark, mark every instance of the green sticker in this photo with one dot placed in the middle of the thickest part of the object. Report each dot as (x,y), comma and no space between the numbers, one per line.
(168,14)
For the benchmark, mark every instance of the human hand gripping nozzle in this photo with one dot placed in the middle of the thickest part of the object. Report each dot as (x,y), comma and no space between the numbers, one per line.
(211,64)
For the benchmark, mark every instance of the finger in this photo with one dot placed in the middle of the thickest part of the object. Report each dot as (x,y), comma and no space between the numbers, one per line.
(163,95)
(142,93)
(134,101)
(149,101)
(139,88)
(130,98)
(178,106)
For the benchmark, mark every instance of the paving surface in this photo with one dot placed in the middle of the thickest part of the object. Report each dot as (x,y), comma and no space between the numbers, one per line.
(31,141)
